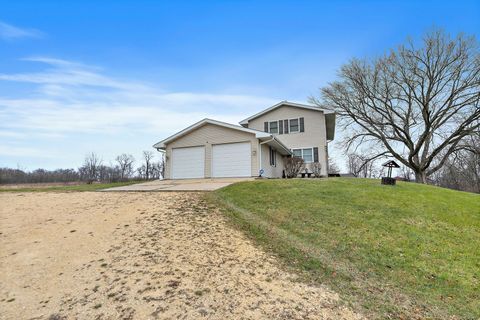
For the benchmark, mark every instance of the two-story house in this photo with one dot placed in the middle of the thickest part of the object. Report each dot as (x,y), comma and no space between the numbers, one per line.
(258,147)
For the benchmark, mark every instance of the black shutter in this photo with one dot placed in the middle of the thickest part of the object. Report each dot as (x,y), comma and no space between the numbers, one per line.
(265,126)
(315,154)
(280,126)
(302,125)
(285,123)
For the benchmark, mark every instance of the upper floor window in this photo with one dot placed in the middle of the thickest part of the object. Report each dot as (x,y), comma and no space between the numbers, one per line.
(273,127)
(285,126)
(294,125)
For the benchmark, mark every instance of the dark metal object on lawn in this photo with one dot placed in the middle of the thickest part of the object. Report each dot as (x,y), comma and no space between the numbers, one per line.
(388,179)
(306,173)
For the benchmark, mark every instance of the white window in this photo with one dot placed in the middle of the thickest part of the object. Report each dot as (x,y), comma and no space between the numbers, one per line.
(306,154)
(297,153)
(294,125)
(273,127)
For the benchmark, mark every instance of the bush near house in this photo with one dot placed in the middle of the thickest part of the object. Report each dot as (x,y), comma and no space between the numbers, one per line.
(293,166)
(404,252)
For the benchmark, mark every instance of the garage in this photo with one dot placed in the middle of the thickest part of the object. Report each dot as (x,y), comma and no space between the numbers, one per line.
(231,160)
(188,162)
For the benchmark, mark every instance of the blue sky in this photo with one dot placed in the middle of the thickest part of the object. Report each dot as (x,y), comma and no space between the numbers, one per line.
(117,76)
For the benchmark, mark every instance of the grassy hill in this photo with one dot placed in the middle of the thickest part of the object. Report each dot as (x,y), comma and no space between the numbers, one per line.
(408,251)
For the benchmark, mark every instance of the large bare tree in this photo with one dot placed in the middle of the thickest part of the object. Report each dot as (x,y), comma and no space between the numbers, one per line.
(91,167)
(418,103)
(148,162)
(125,165)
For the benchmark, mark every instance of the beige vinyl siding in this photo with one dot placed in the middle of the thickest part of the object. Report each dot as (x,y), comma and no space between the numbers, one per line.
(271,171)
(314,135)
(208,135)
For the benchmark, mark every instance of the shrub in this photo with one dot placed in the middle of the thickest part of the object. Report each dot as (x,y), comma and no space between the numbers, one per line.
(293,166)
(316,168)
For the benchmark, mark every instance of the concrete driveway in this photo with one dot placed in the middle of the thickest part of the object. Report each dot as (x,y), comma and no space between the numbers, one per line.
(181,185)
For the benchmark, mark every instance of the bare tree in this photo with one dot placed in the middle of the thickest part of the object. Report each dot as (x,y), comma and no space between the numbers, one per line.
(158,169)
(125,165)
(141,172)
(106,173)
(462,170)
(362,165)
(162,166)
(90,169)
(417,104)
(147,162)
(332,167)
(406,173)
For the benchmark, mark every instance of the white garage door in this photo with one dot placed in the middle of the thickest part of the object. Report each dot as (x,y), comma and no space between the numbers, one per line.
(231,160)
(188,163)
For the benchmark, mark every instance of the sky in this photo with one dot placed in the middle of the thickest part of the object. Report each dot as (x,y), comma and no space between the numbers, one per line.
(115,77)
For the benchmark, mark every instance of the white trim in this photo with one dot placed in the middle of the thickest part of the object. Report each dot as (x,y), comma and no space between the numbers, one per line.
(278,143)
(161,144)
(284,103)
(301,150)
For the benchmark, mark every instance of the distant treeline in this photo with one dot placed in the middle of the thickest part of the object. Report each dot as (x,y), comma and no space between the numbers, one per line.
(93,169)
(8,175)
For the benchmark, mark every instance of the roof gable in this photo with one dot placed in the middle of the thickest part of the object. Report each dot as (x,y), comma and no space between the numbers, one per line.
(282,104)
(161,144)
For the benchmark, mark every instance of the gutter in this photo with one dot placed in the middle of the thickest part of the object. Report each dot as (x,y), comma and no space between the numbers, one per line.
(282,145)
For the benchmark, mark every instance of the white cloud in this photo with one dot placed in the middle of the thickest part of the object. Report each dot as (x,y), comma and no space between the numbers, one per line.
(11,134)
(8,32)
(72,99)
(13,151)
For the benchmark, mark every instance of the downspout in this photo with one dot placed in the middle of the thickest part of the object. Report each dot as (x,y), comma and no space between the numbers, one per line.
(326,152)
(260,153)
(164,155)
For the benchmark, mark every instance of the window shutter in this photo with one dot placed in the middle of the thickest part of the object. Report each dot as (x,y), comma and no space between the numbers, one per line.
(285,124)
(280,126)
(265,126)
(315,154)
(270,155)
(302,125)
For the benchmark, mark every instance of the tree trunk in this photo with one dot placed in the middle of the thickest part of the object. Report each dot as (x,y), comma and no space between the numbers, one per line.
(421,177)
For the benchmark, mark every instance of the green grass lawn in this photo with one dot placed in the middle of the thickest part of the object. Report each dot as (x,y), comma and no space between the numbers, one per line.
(78,187)
(407,251)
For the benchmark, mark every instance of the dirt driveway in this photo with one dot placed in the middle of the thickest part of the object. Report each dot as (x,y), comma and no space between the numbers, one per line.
(140,256)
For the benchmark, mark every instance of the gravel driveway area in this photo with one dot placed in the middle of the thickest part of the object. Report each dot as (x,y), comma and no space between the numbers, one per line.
(96,255)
